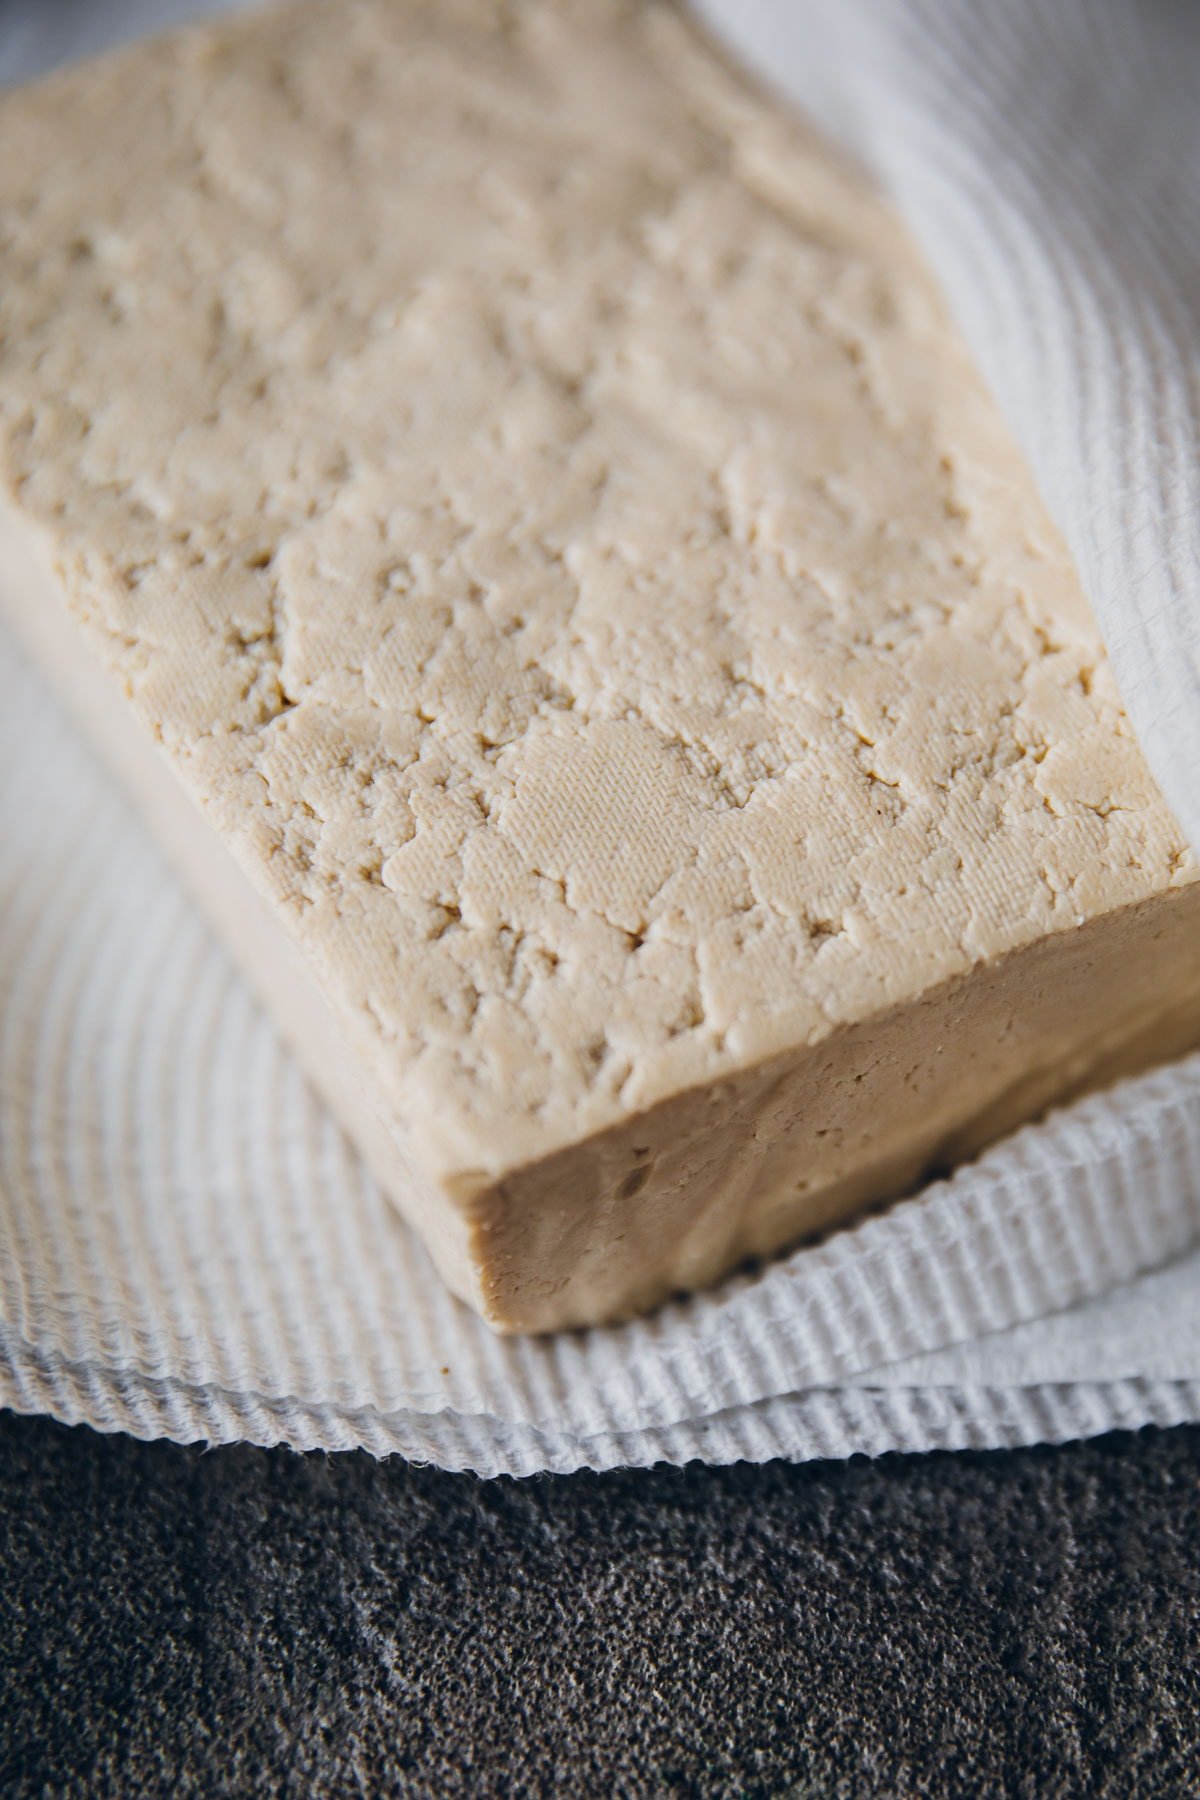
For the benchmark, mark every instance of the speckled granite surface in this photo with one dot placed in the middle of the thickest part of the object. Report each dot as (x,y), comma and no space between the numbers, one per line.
(236,1622)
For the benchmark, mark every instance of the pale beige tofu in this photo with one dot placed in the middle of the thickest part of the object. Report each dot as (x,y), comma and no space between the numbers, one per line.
(515,511)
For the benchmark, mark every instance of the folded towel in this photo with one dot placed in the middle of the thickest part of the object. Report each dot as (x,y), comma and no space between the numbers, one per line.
(189,1249)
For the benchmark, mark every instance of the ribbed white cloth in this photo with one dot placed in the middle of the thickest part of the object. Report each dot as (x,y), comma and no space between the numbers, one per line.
(188,1248)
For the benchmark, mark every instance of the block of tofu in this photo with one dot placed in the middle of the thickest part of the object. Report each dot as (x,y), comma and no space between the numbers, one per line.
(514,511)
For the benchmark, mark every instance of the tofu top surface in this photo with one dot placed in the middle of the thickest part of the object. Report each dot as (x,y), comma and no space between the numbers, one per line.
(534,497)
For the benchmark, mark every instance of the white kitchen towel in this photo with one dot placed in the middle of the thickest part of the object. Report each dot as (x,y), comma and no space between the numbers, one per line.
(189,1248)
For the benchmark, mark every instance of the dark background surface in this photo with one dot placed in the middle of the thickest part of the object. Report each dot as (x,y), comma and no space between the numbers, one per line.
(239,1621)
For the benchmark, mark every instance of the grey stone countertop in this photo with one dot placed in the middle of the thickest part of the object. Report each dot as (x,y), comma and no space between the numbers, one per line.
(179,1621)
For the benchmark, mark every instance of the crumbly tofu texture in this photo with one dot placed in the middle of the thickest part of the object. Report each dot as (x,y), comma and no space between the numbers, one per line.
(532,497)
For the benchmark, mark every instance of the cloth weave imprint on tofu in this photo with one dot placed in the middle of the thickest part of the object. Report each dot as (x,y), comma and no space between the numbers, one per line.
(529,497)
